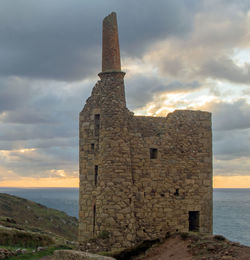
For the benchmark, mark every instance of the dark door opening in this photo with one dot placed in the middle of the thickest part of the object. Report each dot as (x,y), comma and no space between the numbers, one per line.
(194,221)
(153,153)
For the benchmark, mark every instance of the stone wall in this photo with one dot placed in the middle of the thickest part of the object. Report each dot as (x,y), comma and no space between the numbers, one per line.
(125,192)
(105,171)
(179,180)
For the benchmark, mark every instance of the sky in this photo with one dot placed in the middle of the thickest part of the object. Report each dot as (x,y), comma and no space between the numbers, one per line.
(186,54)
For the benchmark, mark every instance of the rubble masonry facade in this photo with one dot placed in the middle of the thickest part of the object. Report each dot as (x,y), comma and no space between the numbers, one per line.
(140,176)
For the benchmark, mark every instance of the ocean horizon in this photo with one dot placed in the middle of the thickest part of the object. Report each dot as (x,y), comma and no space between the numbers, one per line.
(231,207)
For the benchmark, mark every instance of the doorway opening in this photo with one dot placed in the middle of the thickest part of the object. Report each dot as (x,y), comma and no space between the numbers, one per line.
(194,221)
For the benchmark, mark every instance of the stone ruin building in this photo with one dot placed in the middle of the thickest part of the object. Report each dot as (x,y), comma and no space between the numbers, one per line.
(140,176)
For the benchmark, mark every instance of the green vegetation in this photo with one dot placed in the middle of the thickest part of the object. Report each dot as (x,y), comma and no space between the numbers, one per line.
(29,230)
(27,215)
(14,237)
(219,237)
(36,255)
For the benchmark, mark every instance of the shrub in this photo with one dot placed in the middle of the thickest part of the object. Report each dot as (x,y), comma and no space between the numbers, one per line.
(104,234)
(219,237)
(184,235)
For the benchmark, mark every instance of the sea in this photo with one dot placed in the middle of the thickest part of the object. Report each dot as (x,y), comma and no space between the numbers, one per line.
(231,207)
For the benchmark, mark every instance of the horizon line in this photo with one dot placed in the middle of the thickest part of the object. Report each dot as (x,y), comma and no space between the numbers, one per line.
(43,187)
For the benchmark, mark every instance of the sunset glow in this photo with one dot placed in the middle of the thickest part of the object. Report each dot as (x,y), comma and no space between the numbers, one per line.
(231,182)
(41,182)
(218,182)
(176,56)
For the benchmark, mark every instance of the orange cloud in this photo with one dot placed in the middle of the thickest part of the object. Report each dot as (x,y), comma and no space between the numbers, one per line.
(231,182)
(29,182)
(218,182)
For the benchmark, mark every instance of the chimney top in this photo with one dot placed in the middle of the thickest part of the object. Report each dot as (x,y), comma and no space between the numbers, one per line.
(110,45)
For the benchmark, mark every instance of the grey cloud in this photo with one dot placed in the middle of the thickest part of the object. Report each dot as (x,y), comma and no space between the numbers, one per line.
(231,136)
(229,145)
(224,68)
(62,39)
(144,22)
(44,116)
(141,89)
(56,141)
(15,132)
(233,167)
(14,92)
(27,116)
(46,113)
(206,52)
(183,86)
(38,163)
(230,116)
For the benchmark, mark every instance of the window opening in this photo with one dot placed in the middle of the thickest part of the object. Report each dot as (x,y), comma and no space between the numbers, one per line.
(177,192)
(97,124)
(153,153)
(96,174)
(194,221)
(94,216)
(92,147)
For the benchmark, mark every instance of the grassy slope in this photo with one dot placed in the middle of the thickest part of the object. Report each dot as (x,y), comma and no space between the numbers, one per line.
(28,215)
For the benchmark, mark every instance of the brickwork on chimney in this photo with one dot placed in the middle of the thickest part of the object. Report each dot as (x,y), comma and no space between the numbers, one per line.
(110,44)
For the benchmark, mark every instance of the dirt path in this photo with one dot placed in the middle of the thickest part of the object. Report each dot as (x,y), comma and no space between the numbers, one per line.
(197,247)
(173,248)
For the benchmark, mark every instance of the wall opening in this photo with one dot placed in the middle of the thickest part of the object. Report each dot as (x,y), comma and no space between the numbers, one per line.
(177,193)
(92,147)
(96,174)
(94,216)
(97,124)
(194,221)
(153,153)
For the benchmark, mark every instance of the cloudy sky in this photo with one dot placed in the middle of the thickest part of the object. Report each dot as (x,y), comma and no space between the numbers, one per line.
(186,54)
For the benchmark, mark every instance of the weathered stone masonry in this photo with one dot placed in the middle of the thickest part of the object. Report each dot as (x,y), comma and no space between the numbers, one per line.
(140,177)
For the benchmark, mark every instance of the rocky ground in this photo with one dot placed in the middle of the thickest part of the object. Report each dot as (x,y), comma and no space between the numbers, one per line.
(178,246)
(187,246)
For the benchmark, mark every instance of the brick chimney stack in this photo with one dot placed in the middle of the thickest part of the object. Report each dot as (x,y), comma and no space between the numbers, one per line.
(110,45)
